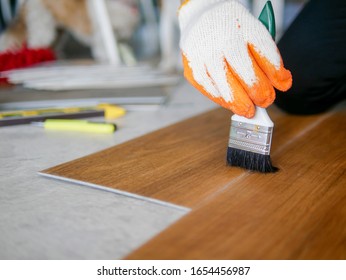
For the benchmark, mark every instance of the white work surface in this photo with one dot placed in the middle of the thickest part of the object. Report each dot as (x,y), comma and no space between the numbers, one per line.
(43,218)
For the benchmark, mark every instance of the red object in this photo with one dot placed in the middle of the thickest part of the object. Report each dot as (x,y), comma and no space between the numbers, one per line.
(23,58)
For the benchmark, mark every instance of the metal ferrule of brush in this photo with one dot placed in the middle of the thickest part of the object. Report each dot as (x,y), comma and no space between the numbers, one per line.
(250,137)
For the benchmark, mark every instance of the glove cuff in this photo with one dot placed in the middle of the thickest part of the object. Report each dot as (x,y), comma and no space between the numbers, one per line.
(192,9)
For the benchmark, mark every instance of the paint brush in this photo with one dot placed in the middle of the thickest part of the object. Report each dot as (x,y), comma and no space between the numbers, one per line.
(250,142)
(250,139)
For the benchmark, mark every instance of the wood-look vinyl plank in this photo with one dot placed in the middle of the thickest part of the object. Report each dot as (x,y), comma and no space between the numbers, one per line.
(182,164)
(297,213)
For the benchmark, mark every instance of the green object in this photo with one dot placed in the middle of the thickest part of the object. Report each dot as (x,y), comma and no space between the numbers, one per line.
(77,125)
(268,19)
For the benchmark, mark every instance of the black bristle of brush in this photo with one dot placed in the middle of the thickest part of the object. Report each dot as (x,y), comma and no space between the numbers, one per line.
(250,161)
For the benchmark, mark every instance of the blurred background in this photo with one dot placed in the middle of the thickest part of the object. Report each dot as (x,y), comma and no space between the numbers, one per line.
(96,51)
(142,30)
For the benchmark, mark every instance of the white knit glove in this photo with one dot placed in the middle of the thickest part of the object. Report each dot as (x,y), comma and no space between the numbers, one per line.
(230,56)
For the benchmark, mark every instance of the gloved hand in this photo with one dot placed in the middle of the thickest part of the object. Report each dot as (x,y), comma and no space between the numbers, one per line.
(229,55)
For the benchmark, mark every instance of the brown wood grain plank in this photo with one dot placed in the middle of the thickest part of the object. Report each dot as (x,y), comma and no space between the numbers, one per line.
(181,164)
(297,213)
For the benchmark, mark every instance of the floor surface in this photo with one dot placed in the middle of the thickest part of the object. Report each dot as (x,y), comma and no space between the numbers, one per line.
(47,219)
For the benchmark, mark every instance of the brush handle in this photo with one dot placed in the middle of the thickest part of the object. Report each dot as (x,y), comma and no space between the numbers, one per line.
(261,118)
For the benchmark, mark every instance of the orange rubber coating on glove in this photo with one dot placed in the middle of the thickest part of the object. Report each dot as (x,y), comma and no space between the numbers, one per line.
(241,104)
(280,78)
(261,94)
